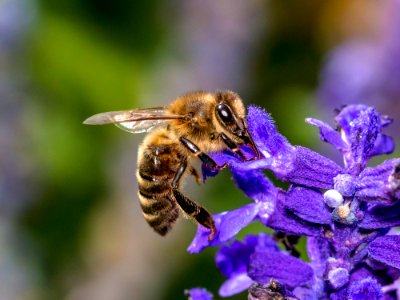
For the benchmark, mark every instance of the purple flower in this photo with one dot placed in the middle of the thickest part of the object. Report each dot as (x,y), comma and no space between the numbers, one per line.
(345,213)
(359,136)
(199,294)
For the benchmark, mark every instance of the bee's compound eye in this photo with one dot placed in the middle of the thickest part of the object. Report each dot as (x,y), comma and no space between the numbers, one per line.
(225,113)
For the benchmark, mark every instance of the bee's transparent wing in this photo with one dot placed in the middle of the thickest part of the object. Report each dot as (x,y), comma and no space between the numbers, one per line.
(135,120)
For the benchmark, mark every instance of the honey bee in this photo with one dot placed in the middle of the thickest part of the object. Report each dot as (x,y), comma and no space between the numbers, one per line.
(191,126)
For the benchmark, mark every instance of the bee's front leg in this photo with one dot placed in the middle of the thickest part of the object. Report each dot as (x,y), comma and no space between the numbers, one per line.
(232,145)
(204,157)
(235,148)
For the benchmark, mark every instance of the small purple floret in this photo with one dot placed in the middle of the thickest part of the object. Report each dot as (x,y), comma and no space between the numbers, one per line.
(366,288)
(199,294)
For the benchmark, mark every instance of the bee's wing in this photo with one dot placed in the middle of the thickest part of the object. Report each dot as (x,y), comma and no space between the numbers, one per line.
(135,120)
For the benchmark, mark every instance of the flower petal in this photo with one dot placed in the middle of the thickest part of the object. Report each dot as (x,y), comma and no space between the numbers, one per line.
(228,224)
(308,204)
(254,184)
(341,295)
(365,288)
(264,133)
(233,259)
(286,269)
(384,144)
(328,134)
(318,251)
(235,285)
(305,293)
(220,158)
(380,183)
(381,216)
(233,221)
(386,249)
(310,169)
(285,220)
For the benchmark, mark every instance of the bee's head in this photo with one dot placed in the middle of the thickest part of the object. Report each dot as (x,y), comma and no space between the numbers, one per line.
(231,115)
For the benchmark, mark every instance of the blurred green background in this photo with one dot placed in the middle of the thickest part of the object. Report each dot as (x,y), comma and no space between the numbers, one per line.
(70,224)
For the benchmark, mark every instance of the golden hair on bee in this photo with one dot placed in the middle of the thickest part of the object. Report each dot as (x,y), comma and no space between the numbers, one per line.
(190,127)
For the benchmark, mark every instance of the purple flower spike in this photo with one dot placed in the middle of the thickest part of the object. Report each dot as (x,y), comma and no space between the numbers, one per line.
(386,249)
(345,213)
(199,294)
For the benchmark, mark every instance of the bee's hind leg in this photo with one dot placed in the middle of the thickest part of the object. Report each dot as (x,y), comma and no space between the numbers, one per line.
(195,211)
(191,208)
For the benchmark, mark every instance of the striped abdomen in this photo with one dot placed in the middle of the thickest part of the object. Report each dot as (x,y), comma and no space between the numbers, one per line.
(157,166)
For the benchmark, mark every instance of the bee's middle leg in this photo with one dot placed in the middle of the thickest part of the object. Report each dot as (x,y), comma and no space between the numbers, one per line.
(191,208)
(194,173)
